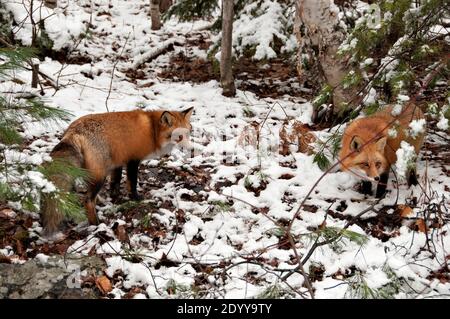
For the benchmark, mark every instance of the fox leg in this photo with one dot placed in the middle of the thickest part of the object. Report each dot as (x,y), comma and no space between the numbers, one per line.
(94,188)
(116,177)
(132,175)
(382,185)
(366,188)
(412,177)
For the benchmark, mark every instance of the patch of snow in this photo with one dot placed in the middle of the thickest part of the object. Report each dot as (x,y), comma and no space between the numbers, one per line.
(406,156)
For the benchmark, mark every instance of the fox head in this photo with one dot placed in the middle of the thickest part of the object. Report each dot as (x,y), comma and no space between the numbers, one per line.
(175,128)
(367,161)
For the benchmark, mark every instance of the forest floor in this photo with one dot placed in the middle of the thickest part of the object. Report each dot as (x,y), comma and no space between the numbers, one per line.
(212,222)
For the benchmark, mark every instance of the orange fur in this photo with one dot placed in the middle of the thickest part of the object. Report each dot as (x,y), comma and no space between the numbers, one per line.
(367,147)
(102,143)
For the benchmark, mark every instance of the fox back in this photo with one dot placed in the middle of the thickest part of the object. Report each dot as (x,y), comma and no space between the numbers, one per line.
(111,140)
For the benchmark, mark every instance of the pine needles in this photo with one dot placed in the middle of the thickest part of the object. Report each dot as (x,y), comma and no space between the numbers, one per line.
(22,181)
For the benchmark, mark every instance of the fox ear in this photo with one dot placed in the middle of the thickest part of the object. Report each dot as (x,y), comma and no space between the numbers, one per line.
(356,144)
(166,118)
(381,143)
(187,113)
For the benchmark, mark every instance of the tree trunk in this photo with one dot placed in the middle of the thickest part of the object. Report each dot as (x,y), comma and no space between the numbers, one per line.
(226,72)
(34,61)
(165,5)
(155,14)
(34,73)
(319,35)
(51,3)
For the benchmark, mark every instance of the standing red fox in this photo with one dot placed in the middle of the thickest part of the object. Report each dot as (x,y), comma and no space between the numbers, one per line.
(104,143)
(368,150)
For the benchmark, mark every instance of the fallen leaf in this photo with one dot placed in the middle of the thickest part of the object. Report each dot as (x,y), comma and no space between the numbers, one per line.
(7,213)
(421,226)
(4,259)
(121,233)
(404,210)
(249,135)
(166,262)
(19,248)
(103,284)
(296,133)
(133,291)
(323,225)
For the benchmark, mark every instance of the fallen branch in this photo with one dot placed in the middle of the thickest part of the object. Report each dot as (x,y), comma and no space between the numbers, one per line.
(151,55)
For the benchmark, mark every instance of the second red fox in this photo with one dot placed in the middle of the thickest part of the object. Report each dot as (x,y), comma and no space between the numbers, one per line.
(104,143)
(368,150)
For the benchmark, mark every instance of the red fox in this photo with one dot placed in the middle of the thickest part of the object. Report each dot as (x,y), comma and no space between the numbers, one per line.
(104,143)
(368,150)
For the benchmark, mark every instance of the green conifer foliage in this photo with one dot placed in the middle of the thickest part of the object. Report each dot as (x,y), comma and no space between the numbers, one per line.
(23,180)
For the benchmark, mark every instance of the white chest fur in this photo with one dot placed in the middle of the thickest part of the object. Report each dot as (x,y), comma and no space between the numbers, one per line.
(166,149)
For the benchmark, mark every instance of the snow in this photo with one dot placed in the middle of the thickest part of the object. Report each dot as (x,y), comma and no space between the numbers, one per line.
(402,98)
(43,259)
(231,224)
(417,127)
(370,98)
(41,182)
(61,26)
(397,109)
(406,155)
(367,62)
(443,123)
(260,22)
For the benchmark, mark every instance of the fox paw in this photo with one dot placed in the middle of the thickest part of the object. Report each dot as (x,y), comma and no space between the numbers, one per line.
(136,197)
(366,188)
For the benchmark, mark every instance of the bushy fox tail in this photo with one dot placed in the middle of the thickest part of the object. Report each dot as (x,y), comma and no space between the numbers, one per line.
(51,212)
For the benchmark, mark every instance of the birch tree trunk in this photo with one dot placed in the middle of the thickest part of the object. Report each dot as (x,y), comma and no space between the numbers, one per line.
(319,35)
(155,14)
(226,72)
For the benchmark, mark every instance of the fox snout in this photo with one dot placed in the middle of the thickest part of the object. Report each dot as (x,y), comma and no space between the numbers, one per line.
(180,136)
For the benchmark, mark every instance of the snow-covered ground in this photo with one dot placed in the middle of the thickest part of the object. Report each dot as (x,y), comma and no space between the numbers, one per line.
(213,226)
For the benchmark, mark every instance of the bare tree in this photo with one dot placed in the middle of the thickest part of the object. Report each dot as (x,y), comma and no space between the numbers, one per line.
(226,72)
(319,36)
(35,62)
(155,14)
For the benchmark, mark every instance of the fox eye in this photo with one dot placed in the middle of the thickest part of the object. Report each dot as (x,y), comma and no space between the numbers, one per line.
(364,164)
(378,164)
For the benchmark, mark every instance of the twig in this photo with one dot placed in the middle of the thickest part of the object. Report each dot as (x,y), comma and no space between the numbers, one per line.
(114,69)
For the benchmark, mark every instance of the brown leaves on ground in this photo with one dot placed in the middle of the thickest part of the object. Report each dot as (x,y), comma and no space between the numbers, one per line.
(294,132)
(103,284)
(193,69)
(133,292)
(274,79)
(4,259)
(14,232)
(7,213)
(166,262)
(249,135)
(120,232)
(417,223)
(404,210)
(421,225)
